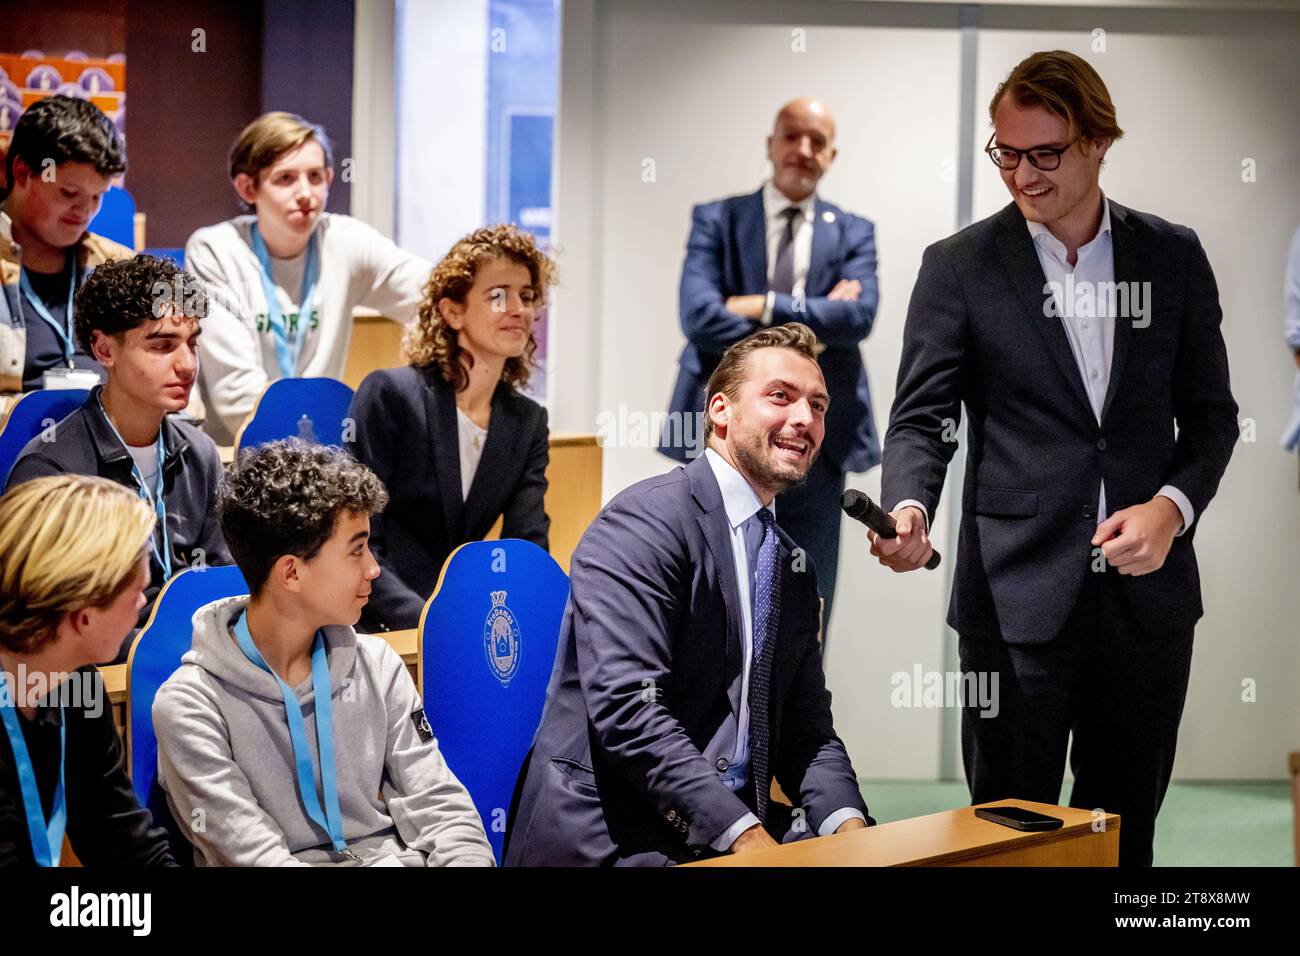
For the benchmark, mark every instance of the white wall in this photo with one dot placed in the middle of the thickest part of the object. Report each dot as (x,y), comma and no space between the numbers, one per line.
(441,61)
(374,108)
(694,86)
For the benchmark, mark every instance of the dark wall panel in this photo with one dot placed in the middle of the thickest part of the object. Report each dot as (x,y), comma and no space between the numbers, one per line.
(95,27)
(185,108)
(307,57)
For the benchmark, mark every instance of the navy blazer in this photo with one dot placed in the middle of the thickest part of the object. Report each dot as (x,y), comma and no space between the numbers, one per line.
(407,433)
(626,763)
(976,335)
(726,255)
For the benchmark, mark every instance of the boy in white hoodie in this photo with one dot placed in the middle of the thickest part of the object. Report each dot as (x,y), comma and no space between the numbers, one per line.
(285,738)
(284,281)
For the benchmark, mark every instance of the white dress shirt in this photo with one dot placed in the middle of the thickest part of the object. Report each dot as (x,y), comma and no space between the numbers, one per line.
(146,460)
(1091,337)
(472,438)
(775,203)
(741,504)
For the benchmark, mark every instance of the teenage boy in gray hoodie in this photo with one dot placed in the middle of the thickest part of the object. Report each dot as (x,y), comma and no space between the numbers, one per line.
(263,768)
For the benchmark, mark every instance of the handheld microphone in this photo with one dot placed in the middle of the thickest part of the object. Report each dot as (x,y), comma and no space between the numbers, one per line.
(859,506)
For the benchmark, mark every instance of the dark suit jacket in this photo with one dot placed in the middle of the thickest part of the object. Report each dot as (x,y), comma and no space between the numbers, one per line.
(86,445)
(727,255)
(406,433)
(976,334)
(625,765)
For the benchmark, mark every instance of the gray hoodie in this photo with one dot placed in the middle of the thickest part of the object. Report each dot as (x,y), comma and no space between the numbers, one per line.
(226,761)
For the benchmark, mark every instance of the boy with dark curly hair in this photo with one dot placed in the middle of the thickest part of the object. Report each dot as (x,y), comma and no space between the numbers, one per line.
(139,319)
(285,738)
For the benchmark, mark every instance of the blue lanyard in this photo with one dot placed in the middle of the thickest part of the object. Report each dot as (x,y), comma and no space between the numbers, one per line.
(288,342)
(64,334)
(156,499)
(47,837)
(331,821)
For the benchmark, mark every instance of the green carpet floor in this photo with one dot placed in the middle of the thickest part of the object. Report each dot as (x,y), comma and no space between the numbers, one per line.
(1201,824)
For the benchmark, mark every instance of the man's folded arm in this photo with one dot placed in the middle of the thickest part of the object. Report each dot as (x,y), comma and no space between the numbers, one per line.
(840,322)
(702,304)
(628,579)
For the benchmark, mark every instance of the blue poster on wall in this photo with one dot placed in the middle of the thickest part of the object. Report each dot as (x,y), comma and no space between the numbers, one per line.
(521,94)
(528,198)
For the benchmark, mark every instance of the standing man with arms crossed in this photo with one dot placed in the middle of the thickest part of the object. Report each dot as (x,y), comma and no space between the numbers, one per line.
(783,254)
(1076,580)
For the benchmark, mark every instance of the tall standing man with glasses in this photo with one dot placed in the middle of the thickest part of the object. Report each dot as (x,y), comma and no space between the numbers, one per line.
(1083,339)
(783,254)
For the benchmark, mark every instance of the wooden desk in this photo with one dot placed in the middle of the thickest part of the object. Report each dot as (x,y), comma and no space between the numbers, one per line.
(951,838)
(404,642)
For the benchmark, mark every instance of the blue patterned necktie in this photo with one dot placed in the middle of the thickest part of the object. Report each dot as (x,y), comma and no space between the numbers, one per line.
(766,598)
(783,272)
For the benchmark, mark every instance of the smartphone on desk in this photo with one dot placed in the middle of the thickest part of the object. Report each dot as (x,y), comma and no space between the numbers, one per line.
(1018,818)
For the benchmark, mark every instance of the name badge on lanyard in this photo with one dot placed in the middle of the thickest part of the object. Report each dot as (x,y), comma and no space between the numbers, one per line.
(163,550)
(288,340)
(64,334)
(46,835)
(331,820)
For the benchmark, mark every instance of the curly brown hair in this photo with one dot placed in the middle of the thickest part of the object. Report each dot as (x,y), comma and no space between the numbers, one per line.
(285,497)
(119,296)
(429,340)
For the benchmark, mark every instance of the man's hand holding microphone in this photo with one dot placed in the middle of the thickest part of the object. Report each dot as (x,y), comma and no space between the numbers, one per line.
(900,539)
(910,549)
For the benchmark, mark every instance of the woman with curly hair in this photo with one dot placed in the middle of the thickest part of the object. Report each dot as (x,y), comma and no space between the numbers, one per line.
(450,435)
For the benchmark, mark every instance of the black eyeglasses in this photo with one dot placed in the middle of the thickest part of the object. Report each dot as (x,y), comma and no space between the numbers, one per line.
(1040,157)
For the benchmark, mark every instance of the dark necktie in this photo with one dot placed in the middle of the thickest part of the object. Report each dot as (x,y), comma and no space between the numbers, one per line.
(766,600)
(783,274)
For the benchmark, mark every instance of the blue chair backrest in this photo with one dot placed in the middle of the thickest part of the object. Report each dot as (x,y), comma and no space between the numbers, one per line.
(155,656)
(312,408)
(116,217)
(487,648)
(32,414)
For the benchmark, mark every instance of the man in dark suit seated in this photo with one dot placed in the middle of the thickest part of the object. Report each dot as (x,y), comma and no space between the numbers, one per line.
(1083,339)
(783,254)
(689,670)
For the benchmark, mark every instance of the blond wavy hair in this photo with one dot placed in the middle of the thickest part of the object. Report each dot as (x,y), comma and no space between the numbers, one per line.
(430,341)
(67,542)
